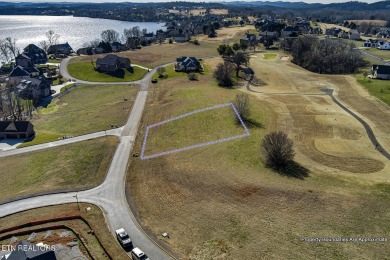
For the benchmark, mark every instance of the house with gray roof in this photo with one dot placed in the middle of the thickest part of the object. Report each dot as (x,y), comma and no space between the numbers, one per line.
(33,88)
(20,73)
(59,49)
(112,63)
(188,64)
(380,71)
(16,129)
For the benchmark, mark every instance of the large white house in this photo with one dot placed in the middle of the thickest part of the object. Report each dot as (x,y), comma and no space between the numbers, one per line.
(384,45)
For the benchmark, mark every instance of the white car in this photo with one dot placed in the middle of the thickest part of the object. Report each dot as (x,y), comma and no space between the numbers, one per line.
(123,238)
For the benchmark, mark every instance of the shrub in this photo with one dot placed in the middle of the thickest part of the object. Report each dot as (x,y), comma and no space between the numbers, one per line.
(277,149)
(192,76)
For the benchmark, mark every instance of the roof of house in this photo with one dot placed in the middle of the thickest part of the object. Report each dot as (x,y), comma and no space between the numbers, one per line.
(35,252)
(14,126)
(19,71)
(32,48)
(23,56)
(185,59)
(381,69)
(111,59)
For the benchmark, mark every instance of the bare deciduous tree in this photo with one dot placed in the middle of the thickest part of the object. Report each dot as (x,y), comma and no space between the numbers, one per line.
(277,149)
(52,37)
(160,70)
(241,102)
(110,36)
(223,73)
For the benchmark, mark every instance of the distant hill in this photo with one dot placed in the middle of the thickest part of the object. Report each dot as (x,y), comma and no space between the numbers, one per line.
(353,5)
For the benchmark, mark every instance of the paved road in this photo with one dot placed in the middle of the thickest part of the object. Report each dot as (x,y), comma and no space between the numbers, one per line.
(114,132)
(380,61)
(369,131)
(110,195)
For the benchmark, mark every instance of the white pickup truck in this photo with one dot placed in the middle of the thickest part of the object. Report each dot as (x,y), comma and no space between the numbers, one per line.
(124,238)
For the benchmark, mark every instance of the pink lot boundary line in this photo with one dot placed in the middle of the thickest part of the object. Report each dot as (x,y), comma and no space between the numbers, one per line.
(143,157)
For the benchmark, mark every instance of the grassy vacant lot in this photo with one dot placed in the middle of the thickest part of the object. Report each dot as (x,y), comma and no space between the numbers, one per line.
(94,217)
(85,71)
(269,56)
(74,166)
(221,202)
(84,110)
(376,87)
(182,133)
(160,54)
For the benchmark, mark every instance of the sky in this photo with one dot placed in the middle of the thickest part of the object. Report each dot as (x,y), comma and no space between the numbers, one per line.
(134,1)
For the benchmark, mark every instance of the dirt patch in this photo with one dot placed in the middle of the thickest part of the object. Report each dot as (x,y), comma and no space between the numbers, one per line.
(248,191)
(284,58)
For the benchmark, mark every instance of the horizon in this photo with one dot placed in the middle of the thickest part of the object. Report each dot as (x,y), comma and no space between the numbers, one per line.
(163,1)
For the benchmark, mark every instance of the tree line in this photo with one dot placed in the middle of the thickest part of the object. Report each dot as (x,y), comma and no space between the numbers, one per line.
(326,56)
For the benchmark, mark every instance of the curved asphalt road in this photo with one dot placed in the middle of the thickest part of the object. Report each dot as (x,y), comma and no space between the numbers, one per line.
(110,195)
(329,92)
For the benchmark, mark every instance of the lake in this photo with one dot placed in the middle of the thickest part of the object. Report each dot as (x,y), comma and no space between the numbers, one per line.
(74,30)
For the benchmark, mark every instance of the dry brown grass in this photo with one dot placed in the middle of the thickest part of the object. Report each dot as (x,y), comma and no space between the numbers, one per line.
(94,218)
(226,34)
(373,22)
(160,54)
(220,202)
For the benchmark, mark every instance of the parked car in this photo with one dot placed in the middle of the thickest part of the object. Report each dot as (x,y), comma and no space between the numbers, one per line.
(124,238)
(137,254)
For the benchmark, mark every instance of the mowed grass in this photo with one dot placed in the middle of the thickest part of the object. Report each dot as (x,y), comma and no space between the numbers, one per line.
(269,56)
(74,166)
(210,125)
(383,54)
(86,71)
(94,217)
(376,87)
(156,55)
(84,110)
(220,201)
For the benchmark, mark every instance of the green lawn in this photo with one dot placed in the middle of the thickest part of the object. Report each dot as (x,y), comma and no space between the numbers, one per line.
(84,110)
(269,56)
(57,81)
(85,71)
(66,87)
(73,166)
(376,87)
(384,54)
(54,61)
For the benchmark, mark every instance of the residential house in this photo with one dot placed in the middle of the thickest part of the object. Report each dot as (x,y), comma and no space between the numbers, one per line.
(250,39)
(117,46)
(289,32)
(182,38)
(21,73)
(33,88)
(380,71)
(343,34)
(60,49)
(188,64)
(332,31)
(269,34)
(24,60)
(16,129)
(354,35)
(37,54)
(111,63)
(370,43)
(85,51)
(384,45)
